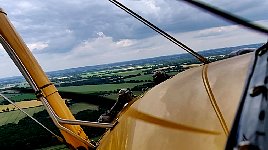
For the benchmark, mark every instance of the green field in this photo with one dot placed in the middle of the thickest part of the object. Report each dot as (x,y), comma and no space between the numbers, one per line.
(142,77)
(126,73)
(8,96)
(112,72)
(57,147)
(19,97)
(112,96)
(26,96)
(173,73)
(87,89)
(15,116)
(90,74)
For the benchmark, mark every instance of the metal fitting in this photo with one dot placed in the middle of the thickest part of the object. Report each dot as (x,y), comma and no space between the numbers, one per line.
(255,91)
(246,145)
(2,11)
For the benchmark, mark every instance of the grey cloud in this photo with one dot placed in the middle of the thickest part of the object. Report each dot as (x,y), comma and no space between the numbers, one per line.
(250,9)
(49,20)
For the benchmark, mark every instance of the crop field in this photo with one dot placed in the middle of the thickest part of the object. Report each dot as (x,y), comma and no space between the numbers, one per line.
(22,104)
(16,115)
(87,89)
(13,116)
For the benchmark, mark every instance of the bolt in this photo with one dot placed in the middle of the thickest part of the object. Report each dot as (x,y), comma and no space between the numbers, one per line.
(261,52)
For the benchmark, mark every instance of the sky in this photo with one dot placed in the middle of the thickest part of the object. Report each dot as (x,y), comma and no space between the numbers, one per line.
(66,34)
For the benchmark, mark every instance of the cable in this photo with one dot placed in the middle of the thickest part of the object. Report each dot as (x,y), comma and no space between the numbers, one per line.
(228,16)
(160,31)
(58,137)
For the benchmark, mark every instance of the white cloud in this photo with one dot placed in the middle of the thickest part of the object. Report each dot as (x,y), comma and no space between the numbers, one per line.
(125,43)
(148,7)
(37,46)
(218,37)
(216,31)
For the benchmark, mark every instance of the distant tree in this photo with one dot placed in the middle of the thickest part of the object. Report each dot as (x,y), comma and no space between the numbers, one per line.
(160,76)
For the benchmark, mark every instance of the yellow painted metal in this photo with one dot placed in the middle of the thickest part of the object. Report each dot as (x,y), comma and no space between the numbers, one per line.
(12,37)
(178,113)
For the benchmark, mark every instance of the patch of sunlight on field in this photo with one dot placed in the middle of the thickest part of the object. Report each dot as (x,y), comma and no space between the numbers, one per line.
(22,104)
(77,107)
(126,73)
(115,96)
(112,96)
(16,115)
(90,74)
(113,72)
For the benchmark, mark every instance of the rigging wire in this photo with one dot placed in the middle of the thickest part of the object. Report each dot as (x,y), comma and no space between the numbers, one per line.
(160,31)
(227,16)
(54,134)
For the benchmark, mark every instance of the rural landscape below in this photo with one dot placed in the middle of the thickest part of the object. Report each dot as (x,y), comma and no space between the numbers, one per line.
(88,92)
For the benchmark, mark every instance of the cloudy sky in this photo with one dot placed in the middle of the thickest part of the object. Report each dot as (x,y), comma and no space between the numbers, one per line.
(64,34)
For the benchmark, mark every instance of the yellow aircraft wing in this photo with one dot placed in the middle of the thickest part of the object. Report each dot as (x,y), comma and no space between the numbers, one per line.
(179,114)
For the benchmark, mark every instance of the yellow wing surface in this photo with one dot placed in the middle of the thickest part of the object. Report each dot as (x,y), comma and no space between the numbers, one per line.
(179,114)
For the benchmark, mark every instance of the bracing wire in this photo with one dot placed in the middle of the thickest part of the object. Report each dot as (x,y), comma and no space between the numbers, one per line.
(160,31)
(10,101)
